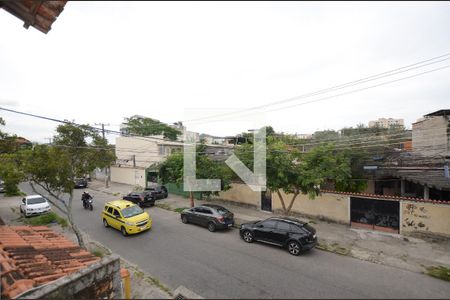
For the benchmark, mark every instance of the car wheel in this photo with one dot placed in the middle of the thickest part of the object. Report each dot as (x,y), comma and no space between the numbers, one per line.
(105,223)
(124,231)
(294,248)
(211,227)
(247,236)
(184,219)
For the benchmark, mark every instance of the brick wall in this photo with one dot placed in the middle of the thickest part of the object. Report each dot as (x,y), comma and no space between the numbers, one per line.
(100,280)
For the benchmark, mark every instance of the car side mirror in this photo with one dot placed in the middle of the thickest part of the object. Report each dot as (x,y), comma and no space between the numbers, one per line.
(23,201)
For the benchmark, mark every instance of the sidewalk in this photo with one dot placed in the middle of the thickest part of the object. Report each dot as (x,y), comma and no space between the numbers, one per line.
(405,252)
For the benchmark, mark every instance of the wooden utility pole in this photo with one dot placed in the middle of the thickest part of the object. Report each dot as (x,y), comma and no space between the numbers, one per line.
(107,170)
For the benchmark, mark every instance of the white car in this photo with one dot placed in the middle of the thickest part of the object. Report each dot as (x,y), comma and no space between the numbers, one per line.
(34,205)
(2,186)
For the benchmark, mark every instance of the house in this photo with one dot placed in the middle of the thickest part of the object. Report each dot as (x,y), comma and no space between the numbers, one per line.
(23,143)
(386,122)
(420,172)
(408,187)
(137,158)
(212,140)
(431,134)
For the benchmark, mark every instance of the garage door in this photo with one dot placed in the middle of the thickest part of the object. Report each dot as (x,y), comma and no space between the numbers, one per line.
(382,215)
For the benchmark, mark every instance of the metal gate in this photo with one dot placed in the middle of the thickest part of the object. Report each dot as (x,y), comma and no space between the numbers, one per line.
(266,200)
(382,215)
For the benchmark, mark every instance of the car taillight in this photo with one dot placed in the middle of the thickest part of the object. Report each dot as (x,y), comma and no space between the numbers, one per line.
(220,219)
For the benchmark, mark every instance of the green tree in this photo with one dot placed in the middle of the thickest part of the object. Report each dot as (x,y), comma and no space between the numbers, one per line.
(149,126)
(325,135)
(293,172)
(55,167)
(171,170)
(7,141)
(9,171)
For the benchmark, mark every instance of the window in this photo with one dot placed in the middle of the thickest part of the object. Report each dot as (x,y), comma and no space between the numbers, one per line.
(116,213)
(295,228)
(36,200)
(283,226)
(222,210)
(132,211)
(269,224)
(161,149)
(206,211)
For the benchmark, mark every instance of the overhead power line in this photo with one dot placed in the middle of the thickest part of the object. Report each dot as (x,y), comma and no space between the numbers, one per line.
(334,88)
(148,138)
(337,95)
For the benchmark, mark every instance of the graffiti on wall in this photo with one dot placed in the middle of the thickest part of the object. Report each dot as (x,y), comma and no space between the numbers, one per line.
(415,217)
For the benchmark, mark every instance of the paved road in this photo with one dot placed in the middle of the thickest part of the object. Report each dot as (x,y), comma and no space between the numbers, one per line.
(221,265)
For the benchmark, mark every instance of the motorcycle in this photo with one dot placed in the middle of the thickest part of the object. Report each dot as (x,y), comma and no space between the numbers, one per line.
(87,203)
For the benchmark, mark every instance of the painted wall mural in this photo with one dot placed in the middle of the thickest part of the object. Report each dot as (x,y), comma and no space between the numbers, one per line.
(415,216)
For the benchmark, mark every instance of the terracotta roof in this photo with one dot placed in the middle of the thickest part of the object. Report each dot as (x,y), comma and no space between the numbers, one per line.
(39,14)
(33,255)
(386,197)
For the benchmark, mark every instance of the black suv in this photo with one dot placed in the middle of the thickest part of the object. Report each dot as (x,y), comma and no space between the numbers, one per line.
(290,233)
(80,183)
(142,199)
(209,215)
(159,192)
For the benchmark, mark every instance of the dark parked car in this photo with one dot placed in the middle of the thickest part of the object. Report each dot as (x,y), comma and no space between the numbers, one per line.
(159,192)
(144,198)
(294,235)
(81,183)
(209,215)
(2,186)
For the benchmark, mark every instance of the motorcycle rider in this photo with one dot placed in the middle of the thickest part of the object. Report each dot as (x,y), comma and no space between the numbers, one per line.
(85,197)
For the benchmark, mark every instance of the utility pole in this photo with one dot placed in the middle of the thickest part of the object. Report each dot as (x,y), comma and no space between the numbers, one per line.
(103,128)
(107,169)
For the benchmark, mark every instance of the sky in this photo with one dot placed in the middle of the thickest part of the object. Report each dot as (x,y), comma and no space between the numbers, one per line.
(179,61)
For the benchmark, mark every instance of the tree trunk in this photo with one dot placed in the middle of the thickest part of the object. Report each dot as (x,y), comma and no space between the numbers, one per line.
(72,224)
(191,197)
(292,202)
(282,201)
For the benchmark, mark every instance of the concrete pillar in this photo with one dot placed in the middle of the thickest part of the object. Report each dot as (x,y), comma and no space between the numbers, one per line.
(426,192)
(402,188)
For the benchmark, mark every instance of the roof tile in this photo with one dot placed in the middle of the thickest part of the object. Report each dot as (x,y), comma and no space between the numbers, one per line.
(31,256)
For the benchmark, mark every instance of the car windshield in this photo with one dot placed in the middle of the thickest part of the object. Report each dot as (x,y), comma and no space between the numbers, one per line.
(36,201)
(131,211)
(222,211)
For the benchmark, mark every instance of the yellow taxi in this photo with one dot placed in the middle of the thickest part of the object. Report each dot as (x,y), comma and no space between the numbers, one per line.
(126,216)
